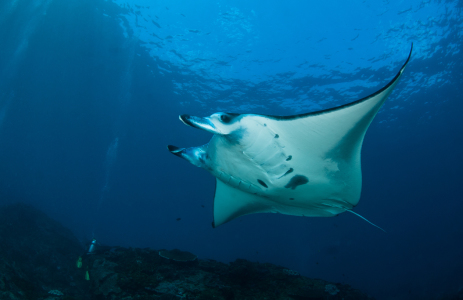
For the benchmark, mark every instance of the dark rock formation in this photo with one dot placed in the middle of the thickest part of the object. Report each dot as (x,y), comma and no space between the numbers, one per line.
(38,261)
(37,255)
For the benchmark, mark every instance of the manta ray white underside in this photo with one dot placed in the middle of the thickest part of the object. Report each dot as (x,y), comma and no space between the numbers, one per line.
(302,165)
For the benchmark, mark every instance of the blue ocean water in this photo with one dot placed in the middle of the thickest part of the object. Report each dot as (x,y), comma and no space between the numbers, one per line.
(91,90)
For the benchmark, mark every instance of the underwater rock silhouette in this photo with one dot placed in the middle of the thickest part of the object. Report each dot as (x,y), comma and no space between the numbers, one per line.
(38,261)
(37,256)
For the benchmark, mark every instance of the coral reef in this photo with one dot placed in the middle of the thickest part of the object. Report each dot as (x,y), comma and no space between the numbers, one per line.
(121,273)
(38,261)
(177,255)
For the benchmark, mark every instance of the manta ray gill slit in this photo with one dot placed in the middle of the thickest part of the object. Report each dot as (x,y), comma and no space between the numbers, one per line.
(262,183)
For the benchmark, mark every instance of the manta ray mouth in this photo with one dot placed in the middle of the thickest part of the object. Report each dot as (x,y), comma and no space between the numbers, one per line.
(200,123)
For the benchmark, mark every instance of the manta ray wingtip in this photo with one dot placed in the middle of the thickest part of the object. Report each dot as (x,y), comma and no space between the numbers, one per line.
(409,56)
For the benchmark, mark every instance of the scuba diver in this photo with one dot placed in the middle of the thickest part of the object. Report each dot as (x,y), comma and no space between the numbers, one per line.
(86,259)
(92,247)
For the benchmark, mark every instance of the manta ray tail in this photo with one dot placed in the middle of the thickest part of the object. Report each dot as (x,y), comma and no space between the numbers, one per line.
(364,219)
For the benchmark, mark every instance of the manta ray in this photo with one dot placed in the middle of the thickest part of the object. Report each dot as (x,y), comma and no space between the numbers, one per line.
(302,165)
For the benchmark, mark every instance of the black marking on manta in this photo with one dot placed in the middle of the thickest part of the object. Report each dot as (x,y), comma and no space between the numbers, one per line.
(296,181)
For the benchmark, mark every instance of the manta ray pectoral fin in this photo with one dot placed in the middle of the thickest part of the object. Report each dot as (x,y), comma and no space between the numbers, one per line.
(231,203)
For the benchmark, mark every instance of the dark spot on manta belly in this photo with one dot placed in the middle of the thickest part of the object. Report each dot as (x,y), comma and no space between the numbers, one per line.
(262,183)
(289,158)
(296,181)
(277,136)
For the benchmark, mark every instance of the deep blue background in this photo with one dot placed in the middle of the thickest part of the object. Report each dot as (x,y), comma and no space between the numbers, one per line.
(75,76)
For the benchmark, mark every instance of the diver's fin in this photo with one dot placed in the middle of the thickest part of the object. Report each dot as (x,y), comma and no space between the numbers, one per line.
(79,262)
